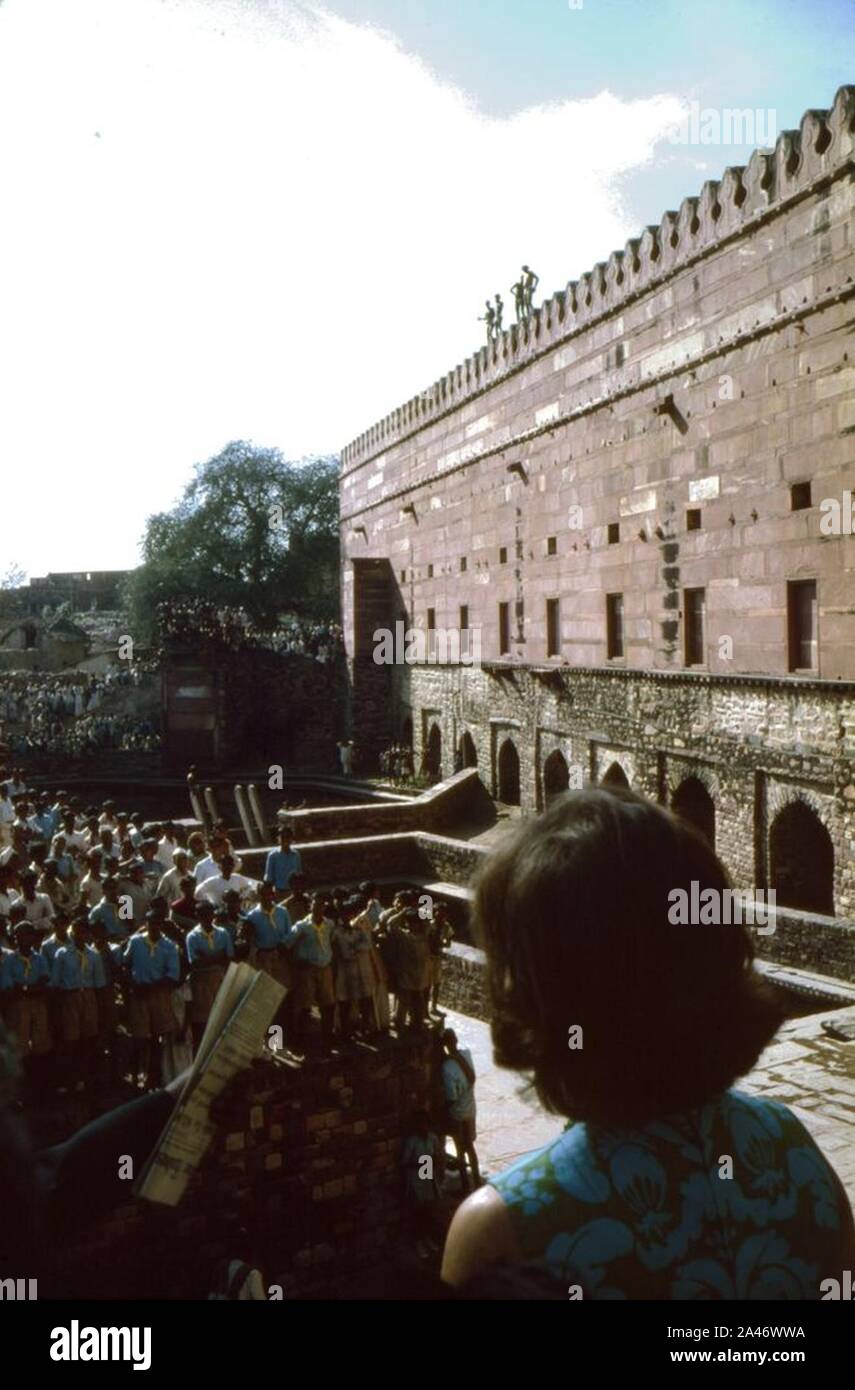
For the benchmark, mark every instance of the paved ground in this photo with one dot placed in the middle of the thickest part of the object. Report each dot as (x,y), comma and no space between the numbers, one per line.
(807,1070)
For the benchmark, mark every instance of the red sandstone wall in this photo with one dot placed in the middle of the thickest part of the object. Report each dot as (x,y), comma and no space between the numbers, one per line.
(739,307)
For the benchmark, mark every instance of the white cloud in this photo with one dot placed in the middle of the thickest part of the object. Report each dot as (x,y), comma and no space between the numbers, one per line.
(266,222)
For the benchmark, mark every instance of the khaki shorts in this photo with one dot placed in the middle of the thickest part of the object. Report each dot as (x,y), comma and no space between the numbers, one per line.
(275,963)
(78,1015)
(108,1011)
(27,1017)
(151,1014)
(204,987)
(314,985)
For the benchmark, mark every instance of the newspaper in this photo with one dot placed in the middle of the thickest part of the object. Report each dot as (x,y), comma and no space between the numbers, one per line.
(237,1026)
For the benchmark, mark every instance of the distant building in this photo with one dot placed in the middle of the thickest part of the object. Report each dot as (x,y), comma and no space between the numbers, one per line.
(85,591)
(33,644)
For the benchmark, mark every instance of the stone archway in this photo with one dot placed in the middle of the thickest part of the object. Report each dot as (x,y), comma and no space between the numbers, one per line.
(433,753)
(693,803)
(614,776)
(801,860)
(468,751)
(556,776)
(508,769)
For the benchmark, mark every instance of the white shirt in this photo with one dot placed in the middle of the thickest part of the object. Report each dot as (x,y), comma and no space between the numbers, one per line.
(164,853)
(74,840)
(90,889)
(206,868)
(39,910)
(169,886)
(215,888)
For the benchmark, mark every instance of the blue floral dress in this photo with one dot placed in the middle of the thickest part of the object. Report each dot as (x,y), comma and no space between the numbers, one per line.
(730,1201)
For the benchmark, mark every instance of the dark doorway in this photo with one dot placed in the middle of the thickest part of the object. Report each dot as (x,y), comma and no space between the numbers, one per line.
(468,752)
(693,803)
(433,753)
(556,776)
(801,860)
(509,774)
(615,777)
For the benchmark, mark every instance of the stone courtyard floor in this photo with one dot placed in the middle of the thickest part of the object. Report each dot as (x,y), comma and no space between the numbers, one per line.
(804,1068)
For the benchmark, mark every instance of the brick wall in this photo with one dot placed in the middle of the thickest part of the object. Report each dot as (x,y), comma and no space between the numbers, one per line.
(823,945)
(308,1164)
(811,943)
(463,987)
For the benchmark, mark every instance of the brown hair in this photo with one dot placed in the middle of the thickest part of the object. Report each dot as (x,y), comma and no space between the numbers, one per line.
(573,913)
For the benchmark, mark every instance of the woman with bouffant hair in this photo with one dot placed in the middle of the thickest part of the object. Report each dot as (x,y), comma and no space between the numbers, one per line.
(634,1025)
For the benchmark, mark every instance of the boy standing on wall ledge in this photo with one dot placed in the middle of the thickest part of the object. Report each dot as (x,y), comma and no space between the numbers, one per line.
(281,865)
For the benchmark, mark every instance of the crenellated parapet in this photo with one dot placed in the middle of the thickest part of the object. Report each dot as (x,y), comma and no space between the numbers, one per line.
(821,149)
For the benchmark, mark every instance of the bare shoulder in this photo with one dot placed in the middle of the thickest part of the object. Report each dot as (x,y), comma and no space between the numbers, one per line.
(482,1231)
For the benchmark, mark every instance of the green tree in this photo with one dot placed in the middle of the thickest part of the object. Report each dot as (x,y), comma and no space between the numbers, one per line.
(250,531)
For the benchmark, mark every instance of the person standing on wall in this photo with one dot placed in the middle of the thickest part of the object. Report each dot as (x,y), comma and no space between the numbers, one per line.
(458,1084)
(281,864)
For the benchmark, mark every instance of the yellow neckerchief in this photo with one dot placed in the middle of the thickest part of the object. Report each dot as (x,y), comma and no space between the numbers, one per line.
(84,961)
(27,964)
(152,945)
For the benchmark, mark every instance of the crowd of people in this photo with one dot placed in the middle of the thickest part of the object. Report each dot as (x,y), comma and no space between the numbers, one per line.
(68,715)
(396,763)
(323,641)
(115,934)
(195,619)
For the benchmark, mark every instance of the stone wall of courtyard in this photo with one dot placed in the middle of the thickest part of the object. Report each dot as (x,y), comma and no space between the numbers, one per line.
(668,436)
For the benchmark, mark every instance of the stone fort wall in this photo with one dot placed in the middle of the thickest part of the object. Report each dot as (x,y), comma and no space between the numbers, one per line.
(673,420)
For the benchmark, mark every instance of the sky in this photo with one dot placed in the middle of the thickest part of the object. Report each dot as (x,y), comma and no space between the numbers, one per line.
(268,220)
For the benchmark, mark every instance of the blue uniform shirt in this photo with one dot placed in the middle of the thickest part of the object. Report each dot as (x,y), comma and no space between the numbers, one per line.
(44,824)
(313,941)
(204,946)
(65,866)
(25,970)
(76,968)
(279,867)
(50,946)
(271,929)
(152,962)
(108,913)
(112,960)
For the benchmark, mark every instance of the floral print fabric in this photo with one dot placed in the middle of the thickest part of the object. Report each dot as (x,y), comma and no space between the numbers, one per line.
(659,1212)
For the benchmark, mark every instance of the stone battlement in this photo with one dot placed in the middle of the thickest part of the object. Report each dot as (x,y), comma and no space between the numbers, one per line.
(820,152)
